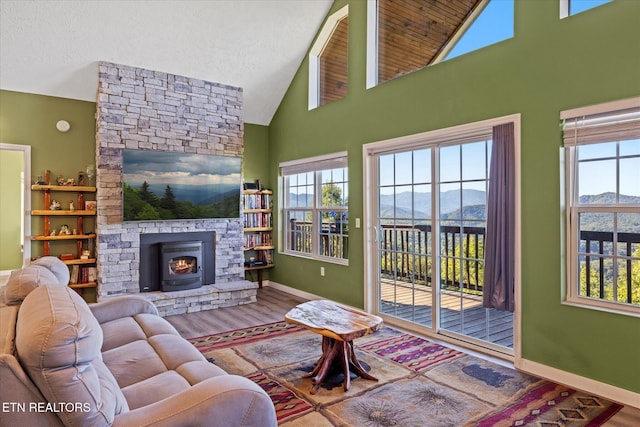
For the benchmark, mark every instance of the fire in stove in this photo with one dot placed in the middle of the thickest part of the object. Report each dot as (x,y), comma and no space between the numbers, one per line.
(182,266)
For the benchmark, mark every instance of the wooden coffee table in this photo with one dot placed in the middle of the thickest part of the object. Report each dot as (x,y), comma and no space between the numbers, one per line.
(339,326)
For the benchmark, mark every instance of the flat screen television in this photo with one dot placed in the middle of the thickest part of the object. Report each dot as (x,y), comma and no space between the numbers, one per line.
(167,185)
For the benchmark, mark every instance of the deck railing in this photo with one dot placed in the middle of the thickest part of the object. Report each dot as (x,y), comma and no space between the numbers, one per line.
(405,255)
(333,238)
(594,247)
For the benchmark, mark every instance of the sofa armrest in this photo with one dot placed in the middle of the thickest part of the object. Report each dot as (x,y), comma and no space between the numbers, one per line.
(123,306)
(18,395)
(223,401)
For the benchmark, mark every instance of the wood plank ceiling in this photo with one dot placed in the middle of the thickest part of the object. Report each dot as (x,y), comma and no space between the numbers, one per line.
(411,33)
(333,64)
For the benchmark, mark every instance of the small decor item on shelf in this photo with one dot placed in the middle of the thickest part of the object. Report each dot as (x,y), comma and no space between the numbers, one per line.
(251,186)
(53,233)
(72,207)
(85,254)
(64,230)
(91,174)
(81,180)
(90,205)
(66,257)
(38,180)
(55,205)
(62,181)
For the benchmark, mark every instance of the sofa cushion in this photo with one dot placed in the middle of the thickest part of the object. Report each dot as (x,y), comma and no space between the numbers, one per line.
(124,330)
(56,266)
(25,280)
(154,389)
(58,342)
(133,362)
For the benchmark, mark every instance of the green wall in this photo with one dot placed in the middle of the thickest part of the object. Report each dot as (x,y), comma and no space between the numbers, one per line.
(28,119)
(255,163)
(548,66)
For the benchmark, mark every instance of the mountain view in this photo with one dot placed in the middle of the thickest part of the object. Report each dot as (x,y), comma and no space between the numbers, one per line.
(473,201)
(474,207)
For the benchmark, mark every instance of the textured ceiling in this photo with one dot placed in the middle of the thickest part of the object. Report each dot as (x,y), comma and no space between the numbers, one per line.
(53,47)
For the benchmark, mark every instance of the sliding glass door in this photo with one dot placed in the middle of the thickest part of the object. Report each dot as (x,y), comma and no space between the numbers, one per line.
(405,244)
(430,225)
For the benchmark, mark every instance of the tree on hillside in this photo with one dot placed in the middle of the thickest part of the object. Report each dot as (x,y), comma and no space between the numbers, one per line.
(146,195)
(168,201)
(332,195)
(148,212)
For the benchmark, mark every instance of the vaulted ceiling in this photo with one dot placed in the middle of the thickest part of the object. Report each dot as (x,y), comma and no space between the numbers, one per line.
(53,47)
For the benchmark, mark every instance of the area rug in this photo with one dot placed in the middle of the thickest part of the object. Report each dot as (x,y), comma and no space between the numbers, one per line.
(420,383)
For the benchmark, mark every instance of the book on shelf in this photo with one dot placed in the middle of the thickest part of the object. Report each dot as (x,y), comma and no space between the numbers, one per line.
(92,274)
(257,201)
(257,220)
(75,272)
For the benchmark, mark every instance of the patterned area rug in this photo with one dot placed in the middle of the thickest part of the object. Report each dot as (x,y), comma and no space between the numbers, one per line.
(421,383)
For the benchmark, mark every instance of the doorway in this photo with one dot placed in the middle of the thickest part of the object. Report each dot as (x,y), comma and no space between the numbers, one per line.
(426,203)
(15,199)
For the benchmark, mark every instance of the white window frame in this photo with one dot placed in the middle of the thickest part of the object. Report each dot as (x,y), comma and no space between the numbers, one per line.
(572,119)
(315,165)
(316,50)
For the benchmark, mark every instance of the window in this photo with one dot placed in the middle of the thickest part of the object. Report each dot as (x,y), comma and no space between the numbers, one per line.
(494,24)
(572,7)
(404,36)
(315,210)
(602,145)
(328,60)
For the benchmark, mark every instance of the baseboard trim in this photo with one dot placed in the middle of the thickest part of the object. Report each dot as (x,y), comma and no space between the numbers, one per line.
(290,290)
(608,391)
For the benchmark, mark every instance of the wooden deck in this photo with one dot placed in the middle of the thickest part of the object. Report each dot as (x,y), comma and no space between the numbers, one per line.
(462,315)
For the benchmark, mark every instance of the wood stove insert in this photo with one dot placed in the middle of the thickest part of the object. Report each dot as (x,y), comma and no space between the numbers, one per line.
(181,265)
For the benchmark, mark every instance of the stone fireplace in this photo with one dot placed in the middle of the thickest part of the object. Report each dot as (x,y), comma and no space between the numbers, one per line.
(150,110)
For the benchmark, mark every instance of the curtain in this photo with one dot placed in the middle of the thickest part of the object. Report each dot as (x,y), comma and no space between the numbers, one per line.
(499,251)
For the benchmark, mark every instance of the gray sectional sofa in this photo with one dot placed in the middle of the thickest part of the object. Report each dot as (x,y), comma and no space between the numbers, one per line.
(66,362)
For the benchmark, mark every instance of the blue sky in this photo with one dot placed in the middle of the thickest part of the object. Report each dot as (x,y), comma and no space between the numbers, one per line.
(494,24)
(578,6)
(598,168)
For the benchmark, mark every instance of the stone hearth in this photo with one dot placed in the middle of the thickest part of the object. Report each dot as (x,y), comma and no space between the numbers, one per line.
(151,110)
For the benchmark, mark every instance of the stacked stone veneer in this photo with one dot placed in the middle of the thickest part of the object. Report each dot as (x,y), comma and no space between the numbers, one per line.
(151,110)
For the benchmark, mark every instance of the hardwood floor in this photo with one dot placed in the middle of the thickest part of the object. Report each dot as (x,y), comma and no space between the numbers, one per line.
(271,306)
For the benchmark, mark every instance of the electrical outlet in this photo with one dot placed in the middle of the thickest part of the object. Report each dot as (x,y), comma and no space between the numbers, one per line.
(322,271)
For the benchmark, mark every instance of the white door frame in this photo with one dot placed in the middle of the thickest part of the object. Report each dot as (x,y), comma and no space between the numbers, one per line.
(26,198)
(370,184)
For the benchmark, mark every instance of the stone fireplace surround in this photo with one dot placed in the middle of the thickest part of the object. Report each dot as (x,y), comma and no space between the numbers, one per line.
(151,110)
